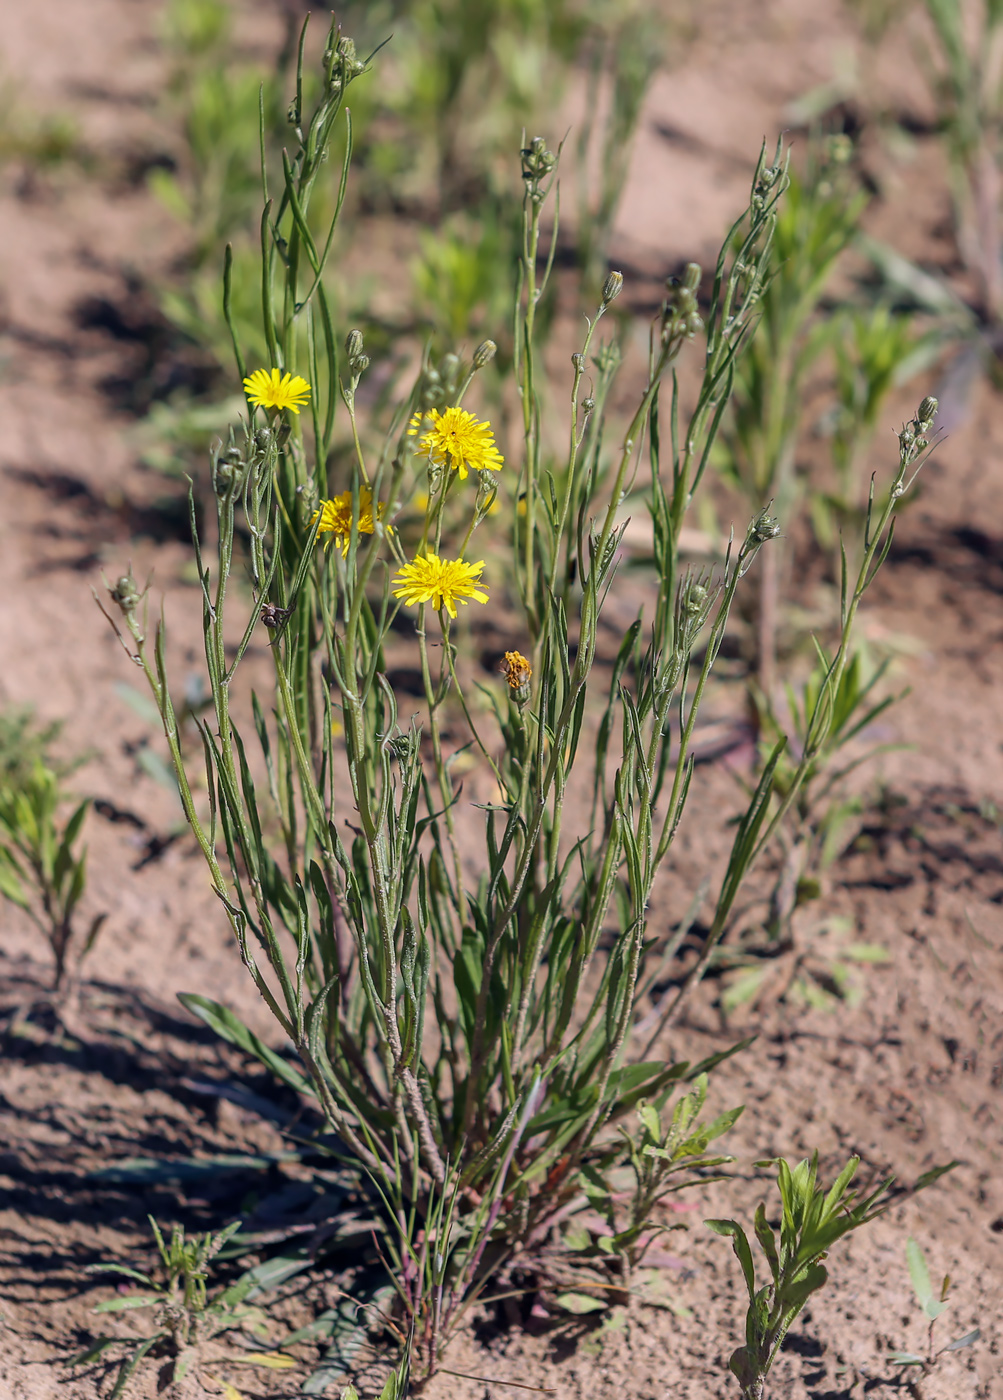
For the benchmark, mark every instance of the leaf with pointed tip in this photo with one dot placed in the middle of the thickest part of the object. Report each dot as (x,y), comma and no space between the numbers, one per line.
(92,1352)
(121,1304)
(965,1341)
(579,1303)
(919,1274)
(741,1247)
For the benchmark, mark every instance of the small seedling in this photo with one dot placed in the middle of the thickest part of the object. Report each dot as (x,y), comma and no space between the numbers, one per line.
(933,1302)
(43,869)
(662,1160)
(395,1387)
(185,1322)
(811,1223)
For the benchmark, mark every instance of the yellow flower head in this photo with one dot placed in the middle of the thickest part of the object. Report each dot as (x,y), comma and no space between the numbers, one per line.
(517,670)
(441,582)
(457,440)
(336,517)
(270,389)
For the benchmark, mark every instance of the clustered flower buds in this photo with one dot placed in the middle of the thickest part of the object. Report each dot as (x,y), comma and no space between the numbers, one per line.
(681,320)
(343,64)
(764,526)
(537,161)
(440,383)
(769,176)
(126,594)
(915,436)
(537,164)
(228,471)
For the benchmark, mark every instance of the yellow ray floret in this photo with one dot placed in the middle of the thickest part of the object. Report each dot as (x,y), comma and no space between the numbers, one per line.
(457,440)
(271,389)
(336,517)
(441,582)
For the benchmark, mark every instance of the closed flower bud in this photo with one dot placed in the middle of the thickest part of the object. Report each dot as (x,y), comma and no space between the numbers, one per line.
(612,287)
(485,353)
(926,413)
(694,598)
(353,344)
(765,527)
(229,470)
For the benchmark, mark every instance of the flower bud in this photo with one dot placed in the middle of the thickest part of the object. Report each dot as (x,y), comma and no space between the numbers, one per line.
(485,353)
(228,472)
(353,344)
(487,494)
(694,598)
(926,413)
(537,161)
(126,594)
(765,526)
(578,361)
(518,672)
(612,287)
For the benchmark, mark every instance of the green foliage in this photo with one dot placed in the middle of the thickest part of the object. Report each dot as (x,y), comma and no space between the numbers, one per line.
(217,188)
(465,994)
(812,1221)
(663,1158)
(463,277)
(963,72)
(933,1302)
(875,350)
(395,1386)
(41,142)
(816,225)
(43,869)
(186,1320)
(461,78)
(826,717)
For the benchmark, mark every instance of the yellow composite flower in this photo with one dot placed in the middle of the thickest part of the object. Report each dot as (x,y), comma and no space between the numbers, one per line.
(271,389)
(336,517)
(457,440)
(517,670)
(441,582)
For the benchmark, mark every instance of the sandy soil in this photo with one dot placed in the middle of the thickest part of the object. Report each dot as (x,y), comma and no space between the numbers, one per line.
(909,1077)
